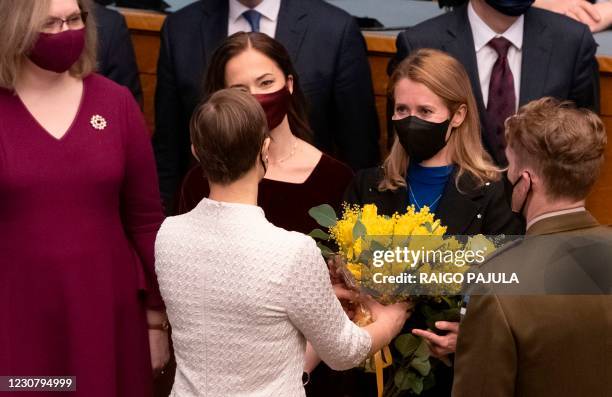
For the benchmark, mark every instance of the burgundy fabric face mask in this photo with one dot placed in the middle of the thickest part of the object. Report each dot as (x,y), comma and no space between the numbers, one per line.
(57,52)
(275,105)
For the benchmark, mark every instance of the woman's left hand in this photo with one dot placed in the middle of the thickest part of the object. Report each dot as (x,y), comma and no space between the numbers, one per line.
(440,346)
(160,350)
(159,342)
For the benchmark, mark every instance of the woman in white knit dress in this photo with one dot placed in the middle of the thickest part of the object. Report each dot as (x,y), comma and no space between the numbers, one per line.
(242,295)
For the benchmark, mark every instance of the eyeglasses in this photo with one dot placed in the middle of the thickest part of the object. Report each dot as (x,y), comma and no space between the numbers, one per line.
(74,21)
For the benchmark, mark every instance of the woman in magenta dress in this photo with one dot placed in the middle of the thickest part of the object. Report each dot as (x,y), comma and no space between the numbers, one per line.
(79,211)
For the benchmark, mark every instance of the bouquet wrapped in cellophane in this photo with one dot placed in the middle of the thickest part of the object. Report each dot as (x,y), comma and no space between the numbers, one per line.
(385,257)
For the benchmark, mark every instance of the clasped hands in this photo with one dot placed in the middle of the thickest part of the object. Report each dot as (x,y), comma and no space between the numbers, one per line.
(440,346)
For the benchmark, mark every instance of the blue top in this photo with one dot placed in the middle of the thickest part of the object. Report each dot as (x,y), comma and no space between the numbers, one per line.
(426,185)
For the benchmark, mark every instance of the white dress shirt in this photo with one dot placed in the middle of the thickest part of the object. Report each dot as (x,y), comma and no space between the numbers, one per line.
(269,17)
(486,56)
(553,214)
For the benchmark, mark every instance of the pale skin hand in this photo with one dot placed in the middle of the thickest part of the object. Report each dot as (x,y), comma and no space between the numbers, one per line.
(598,17)
(158,342)
(604,11)
(388,321)
(440,346)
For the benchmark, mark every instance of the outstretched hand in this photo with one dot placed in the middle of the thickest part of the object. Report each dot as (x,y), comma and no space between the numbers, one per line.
(440,345)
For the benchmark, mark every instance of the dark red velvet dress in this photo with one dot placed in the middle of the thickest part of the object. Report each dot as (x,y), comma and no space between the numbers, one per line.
(285,204)
(78,220)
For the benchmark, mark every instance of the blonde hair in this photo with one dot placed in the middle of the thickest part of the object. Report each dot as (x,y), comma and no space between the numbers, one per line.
(20,23)
(564,145)
(445,77)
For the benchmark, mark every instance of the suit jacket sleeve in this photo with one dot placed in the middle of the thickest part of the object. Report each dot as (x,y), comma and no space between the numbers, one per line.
(486,359)
(166,141)
(404,47)
(118,61)
(356,120)
(585,86)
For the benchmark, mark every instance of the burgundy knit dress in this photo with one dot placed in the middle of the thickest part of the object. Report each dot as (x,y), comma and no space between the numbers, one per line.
(78,220)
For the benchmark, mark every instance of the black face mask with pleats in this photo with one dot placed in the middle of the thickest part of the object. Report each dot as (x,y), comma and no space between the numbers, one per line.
(421,139)
(513,8)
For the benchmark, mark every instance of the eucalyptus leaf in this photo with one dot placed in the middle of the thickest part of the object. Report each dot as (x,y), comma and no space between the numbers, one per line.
(365,256)
(324,215)
(407,344)
(429,381)
(359,230)
(405,379)
(320,234)
(417,388)
(377,246)
(423,350)
(423,366)
(325,251)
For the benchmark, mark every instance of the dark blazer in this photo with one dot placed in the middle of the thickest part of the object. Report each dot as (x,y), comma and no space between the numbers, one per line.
(532,344)
(558,55)
(330,57)
(116,59)
(479,209)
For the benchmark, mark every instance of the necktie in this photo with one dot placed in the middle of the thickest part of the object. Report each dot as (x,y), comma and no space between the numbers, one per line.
(502,99)
(253,17)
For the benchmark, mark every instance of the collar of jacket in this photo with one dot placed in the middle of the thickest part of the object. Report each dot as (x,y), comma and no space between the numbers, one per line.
(563,223)
(457,208)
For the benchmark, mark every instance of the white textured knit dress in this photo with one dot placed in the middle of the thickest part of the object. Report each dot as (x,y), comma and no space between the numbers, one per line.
(243,296)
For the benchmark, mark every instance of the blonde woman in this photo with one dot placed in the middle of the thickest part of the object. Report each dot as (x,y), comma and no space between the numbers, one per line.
(437,160)
(79,213)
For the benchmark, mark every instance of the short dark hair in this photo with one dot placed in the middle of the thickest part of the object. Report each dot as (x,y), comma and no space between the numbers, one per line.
(563,144)
(238,43)
(228,132)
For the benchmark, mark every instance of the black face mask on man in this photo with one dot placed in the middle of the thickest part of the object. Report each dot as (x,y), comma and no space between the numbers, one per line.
(525,199)
(513,8)
(421,139)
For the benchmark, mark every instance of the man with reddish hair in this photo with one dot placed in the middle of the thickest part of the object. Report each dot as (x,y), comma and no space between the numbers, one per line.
(556,340)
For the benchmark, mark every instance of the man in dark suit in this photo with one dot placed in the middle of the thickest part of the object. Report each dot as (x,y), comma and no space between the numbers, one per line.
(548,334)
(116,59)
(326,47)
(513,53)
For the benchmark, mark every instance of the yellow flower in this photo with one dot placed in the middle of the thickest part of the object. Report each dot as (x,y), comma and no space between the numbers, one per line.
(355,269)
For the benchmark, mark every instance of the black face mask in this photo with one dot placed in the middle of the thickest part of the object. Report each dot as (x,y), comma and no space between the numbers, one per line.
(421,139)
(513,8)
(521,211)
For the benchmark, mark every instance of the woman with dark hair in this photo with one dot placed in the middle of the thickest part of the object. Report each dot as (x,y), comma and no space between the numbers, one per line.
(244,295)
(299,176)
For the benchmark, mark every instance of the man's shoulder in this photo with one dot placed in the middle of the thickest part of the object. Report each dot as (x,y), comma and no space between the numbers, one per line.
(324,9)
(559,26)
(185,18)
(105,16)
(434,27)
(555,20)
